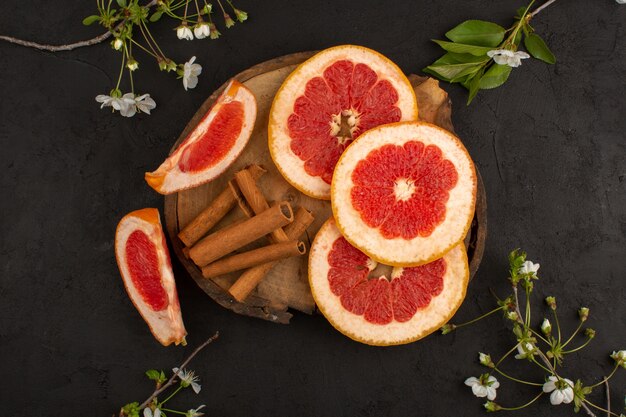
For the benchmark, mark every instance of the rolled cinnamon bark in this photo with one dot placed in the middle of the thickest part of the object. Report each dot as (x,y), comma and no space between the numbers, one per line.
(251,278)
(218,208)
(244,260)
(256,200)
(229,239)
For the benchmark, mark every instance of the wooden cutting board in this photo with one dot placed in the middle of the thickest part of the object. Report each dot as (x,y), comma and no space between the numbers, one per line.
(286,286)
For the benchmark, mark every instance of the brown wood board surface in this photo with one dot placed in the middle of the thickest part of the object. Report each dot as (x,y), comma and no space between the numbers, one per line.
(286,285)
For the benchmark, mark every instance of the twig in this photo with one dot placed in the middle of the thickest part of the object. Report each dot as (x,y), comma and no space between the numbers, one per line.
(608,397)
(56,48)
(172,379)
(543,6)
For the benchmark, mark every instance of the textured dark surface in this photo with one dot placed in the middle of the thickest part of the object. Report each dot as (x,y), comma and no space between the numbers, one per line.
(550,145)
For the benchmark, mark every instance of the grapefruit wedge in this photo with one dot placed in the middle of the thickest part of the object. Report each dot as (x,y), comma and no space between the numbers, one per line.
(404,193)
(368,306)
(212,146)
(144,263)
(327,102)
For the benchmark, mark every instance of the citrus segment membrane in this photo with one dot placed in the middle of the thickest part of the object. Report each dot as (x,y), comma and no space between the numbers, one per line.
(144,262)
(212,146)
(404,193)
(326,103)
(378,309)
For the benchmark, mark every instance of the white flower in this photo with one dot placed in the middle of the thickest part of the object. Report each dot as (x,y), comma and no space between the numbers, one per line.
(485,359)
(525,350)
(546,327)
(125,105)
(117,44)
(202,30)
(562,390)
(190,73)
(529,268)
(183,32)
(620,359)
(147,412)
(621,1)
(187,378)
(132,64)
(485,386)
(507,57)
(145,103)
(194,412)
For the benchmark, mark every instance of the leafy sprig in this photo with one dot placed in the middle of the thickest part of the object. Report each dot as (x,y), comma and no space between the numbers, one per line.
(545,348)
(480,55)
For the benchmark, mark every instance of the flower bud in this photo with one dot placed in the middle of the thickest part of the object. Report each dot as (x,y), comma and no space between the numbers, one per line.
(620,360)
(207,9)
(512,315)
(117,44)
(590,333)
(546,327)
(241,15)
(551,302)
(583,313)
(228,20)
(214,33)
(132,64)
(447,328)
(485,360)
(491,407)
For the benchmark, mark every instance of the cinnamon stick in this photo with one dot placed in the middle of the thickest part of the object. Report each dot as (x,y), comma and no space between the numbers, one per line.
(255,257)
(256,200)
(251,278)
(218,208)
(229,239)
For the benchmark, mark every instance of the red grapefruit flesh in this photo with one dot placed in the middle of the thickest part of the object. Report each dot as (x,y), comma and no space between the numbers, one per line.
(379,310)
(404,193)
(212,146)
(144,263)
(326,103)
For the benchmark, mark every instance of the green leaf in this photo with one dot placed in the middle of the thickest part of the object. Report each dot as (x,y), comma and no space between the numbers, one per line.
(91,19)
(454,66)
(121,3)
(478,33)
(538,48)
(474,86)
(153,374)
(495,76)
(156,16)
(462,48)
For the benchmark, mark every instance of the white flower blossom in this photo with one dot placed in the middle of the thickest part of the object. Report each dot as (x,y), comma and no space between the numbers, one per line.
(562,390)
(145,103)
(507,57)
(194,412)
(525,350)
(546,327)
(184,33)
(190,73)
(621,1)
(147,412)
(187,378)
(485,386)
(117,44)
(202,30)
(529,268)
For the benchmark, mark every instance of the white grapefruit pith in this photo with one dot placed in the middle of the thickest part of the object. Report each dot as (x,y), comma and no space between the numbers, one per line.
(144,262)
(212,146)
(327,102)
(404,193)
(383,310)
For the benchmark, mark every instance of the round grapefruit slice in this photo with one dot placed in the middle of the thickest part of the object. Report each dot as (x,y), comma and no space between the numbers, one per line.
(212,146)
(375,309)
(404,193)
(145,266)
(327,102)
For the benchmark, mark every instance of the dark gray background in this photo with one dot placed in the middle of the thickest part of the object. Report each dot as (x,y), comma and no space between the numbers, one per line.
(550,145)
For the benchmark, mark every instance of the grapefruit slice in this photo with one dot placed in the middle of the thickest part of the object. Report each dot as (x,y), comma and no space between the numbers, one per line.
(375,309)
(404,193)
(145,266)
(327,102)
(212,146)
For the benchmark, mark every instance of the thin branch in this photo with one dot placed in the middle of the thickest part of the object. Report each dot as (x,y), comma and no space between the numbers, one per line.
(543,6)
(172,380)
(608,397)
(56,48)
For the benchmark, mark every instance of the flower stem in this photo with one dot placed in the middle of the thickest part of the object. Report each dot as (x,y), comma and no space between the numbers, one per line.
(171,395)
(505,355)
(523,406)
(152,38)
(539,336)
(143,48)
(578,348)
(480,317)
(580,325)
(517,380)
(600,408)
(558,326)
(518,25)
(174,411)
(119,78)
(527,307)
(607,378)
(542,367)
